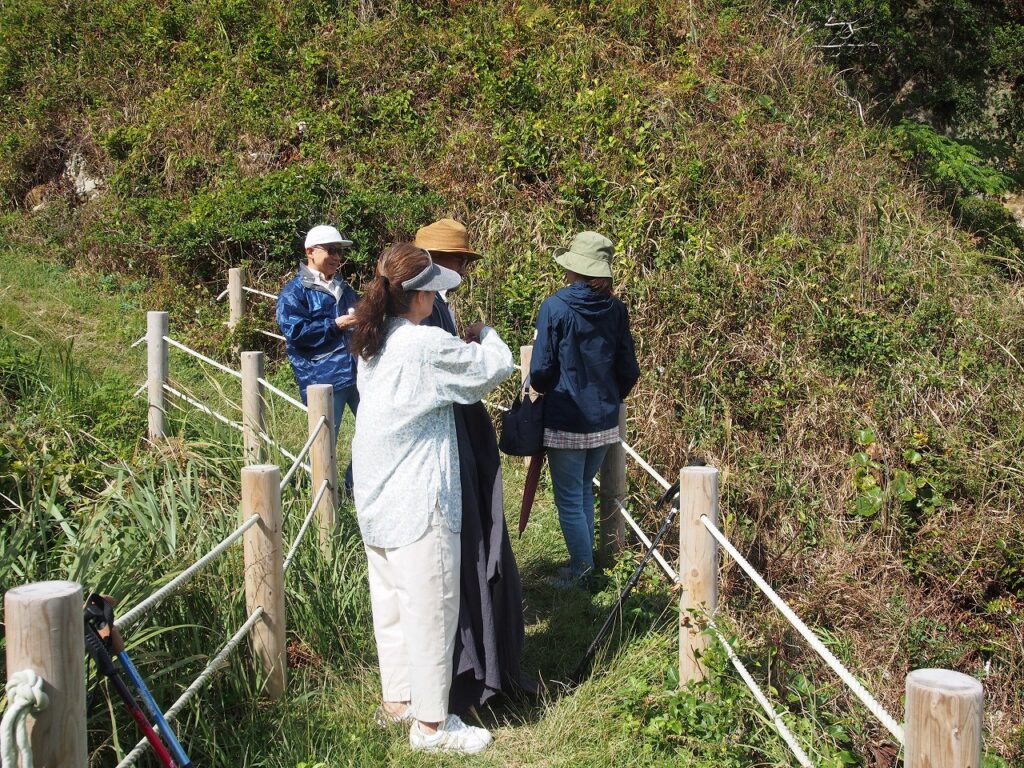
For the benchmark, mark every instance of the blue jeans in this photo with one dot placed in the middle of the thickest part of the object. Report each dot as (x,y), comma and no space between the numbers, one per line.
(572,480)
(347,396)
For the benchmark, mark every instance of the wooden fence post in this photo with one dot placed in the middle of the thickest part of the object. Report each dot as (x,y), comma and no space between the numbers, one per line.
(157,366)
(525,356)
(236,296)
(698,565)
(943,720)
(264,572)
(45,633)
(612,493)
(253,422)
(323,457)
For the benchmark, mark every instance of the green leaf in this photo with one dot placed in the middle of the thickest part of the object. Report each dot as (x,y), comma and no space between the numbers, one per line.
(865,436)
(672,678)
(869,502)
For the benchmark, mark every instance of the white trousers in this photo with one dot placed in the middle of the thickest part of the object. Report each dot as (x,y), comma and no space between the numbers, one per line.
(414,593)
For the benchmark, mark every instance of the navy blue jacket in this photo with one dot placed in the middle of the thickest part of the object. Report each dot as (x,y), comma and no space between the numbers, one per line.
(583,359)
(317,348)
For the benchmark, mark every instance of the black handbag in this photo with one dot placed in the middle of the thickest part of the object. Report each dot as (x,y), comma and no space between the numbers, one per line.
(522,425)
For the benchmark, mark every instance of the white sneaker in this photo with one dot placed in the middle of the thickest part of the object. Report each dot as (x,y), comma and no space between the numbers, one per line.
(452,735)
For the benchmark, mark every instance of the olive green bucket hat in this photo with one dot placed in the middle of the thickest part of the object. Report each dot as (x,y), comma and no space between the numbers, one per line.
(589,255)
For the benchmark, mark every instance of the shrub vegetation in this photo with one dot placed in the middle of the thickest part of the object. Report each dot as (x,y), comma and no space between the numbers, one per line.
(807,318)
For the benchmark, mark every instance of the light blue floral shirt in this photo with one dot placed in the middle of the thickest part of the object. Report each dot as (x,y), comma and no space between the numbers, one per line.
(404,454)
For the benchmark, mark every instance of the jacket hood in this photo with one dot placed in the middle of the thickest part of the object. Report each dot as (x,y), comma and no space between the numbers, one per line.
(585,300)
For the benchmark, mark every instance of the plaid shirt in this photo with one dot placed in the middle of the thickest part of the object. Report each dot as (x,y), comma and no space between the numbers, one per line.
(580,441)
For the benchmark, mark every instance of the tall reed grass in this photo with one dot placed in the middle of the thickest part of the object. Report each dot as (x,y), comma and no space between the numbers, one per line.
(126,524)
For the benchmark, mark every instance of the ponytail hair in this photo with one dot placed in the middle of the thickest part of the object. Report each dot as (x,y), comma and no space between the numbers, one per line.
(384,298)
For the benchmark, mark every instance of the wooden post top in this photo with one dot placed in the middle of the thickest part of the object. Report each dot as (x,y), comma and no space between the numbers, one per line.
(945,680)
(44,589)
(260,469)
(700,470)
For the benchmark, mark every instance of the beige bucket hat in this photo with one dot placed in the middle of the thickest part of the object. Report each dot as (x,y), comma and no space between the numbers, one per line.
(446,236)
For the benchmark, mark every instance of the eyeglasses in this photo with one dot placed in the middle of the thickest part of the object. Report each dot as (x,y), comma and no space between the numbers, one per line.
(333,250)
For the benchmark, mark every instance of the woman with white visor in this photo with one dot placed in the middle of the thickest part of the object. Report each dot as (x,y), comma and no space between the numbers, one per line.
(407,485)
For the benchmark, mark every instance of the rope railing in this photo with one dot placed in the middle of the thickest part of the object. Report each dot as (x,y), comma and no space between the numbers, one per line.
(197,685)
(282,450)
(161,376)
(493,404)
(130,617)
(827,656)
(202,357)
(264,572)
(673,576)
(650,470)
(668,569)
(25,696)
(755,689)
(305,524)
(247,289)
(271,335)
(297,460)
(200,407)
(236,425)
(283,395)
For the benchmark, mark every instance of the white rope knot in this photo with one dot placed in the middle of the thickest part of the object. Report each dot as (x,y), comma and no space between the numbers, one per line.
(26,688)
(25,695)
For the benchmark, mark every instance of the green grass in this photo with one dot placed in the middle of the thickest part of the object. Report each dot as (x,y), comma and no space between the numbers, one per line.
(44,301)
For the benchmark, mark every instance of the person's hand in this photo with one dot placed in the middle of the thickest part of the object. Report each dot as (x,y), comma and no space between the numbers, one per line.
(472,332)
(345,321)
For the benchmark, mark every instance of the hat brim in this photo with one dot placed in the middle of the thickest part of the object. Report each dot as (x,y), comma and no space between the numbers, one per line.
(470,255)
(437,279)
(582,265)
(342,243)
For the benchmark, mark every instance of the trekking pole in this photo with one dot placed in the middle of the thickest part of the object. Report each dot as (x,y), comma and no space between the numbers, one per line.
(96,647)
(101,613)
(162,725)
(581,668)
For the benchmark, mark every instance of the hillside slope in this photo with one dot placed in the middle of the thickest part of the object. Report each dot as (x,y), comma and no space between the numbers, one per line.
(806,320)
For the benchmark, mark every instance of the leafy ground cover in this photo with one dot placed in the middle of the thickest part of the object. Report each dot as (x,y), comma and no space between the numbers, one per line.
(807,319)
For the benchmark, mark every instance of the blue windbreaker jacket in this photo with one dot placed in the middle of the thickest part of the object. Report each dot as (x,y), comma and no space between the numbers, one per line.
(583,359)
(317,348)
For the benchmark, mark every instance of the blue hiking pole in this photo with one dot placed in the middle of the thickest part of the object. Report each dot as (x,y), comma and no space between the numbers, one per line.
(99,620)
(154,711)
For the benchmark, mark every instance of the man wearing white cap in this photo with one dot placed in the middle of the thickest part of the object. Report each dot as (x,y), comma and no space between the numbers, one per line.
(314,310)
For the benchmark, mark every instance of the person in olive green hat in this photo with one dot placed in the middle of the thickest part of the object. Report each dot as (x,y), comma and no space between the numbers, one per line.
(584,363)
(589,255)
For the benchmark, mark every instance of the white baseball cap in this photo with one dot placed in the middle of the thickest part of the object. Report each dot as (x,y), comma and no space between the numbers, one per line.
(322,234)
